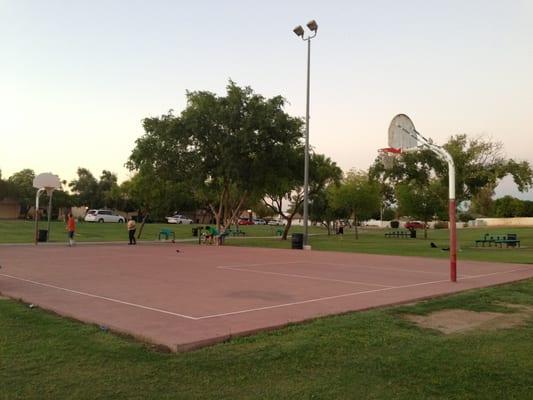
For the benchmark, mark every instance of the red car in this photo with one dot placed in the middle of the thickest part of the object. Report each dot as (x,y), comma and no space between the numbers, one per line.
(245,221)
(415,225)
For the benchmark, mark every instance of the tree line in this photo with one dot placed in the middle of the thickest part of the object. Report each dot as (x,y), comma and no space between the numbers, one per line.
(225,154)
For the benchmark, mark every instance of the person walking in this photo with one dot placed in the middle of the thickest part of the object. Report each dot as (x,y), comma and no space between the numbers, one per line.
(131,231)
(71,229)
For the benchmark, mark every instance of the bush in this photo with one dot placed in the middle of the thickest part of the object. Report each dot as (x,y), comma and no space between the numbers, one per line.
(395,224)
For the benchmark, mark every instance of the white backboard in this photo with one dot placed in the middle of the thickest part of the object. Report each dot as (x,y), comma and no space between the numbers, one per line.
(46,180)
(402,133)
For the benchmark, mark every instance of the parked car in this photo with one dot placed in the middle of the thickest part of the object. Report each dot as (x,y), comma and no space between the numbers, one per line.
(259,221)
(276,222)
(246,221)
(414,225)
(103,216)
(178,219)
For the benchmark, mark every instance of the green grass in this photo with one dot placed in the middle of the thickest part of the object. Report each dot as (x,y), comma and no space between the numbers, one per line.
(370,240)
(366,355)
(373,241)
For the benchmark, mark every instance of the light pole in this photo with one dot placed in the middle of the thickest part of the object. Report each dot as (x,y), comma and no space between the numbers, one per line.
(299,31)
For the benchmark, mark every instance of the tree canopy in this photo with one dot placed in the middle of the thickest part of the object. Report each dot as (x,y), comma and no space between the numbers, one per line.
(228,149)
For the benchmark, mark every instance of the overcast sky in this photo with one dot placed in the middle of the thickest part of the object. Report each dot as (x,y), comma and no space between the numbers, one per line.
(77,77)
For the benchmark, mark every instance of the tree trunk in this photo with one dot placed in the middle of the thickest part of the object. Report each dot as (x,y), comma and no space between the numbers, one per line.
(145,216)
(355,227)
(286,230)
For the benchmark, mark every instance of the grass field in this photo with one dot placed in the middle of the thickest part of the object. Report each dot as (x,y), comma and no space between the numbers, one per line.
(366,355)
(370,240)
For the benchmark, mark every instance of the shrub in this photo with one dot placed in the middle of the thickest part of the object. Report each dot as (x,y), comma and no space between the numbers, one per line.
(395,224)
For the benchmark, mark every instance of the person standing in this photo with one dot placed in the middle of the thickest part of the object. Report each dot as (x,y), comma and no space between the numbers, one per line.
(71,229)
(131,231)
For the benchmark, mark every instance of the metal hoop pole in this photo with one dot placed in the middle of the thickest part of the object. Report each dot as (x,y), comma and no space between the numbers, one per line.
(452,206)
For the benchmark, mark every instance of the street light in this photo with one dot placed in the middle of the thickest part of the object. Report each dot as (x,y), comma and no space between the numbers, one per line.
(299,31)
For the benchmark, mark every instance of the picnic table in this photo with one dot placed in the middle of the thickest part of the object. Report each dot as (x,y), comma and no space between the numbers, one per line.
(510,240)
(401,234)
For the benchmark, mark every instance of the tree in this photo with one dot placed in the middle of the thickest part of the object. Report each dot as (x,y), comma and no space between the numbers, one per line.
(422,201)
(86,189)
(479,165)
(228,149)
(289,188)
(508,207)
(22,186)
(359,195)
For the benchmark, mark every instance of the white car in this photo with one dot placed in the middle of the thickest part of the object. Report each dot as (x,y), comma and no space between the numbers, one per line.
(178,219)
(276,222)
(259,221)
(103,216)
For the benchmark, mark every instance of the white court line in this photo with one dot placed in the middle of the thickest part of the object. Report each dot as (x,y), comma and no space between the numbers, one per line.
(100,297)
(384,269)
(260,264)
(302,276)
(349,294)
(251,309)
(319,299)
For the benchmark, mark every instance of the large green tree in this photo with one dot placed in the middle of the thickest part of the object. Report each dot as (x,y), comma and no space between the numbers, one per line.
(359,195)
(422,201)
(22,185)
(286,196)
(228,149)
(479,162)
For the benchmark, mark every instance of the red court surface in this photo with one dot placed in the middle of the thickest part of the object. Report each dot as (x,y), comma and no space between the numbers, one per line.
(206,294)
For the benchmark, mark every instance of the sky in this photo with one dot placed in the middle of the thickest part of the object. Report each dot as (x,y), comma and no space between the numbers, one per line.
(78,77)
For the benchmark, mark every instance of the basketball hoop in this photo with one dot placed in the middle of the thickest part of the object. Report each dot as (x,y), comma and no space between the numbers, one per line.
(388,155)
(403,137)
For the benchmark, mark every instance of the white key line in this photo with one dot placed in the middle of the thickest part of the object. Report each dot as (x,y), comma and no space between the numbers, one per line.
(101,297)
(304,276)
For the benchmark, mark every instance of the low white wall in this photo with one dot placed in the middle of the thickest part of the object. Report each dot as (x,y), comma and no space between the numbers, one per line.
(518,221)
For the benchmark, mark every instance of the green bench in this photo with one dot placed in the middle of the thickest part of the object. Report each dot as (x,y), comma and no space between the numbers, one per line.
(235,232)
(510,240)
(166,233)
(398,234)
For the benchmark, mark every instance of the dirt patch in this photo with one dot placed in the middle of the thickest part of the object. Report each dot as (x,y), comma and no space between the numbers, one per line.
(457,321)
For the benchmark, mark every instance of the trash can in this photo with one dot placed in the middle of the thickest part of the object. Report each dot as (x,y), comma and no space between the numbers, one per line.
(298,241)
(43,235)
(413,233)
(195,232)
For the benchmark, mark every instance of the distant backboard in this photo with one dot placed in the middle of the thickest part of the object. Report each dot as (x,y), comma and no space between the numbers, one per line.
(402,133)
(46,180)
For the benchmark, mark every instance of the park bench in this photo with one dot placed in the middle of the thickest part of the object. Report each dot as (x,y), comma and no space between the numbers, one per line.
(235,232)
(166,233)
(510,239)
(398,234)
(485,239)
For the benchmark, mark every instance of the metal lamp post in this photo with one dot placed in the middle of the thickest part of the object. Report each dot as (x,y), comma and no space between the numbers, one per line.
(299,31)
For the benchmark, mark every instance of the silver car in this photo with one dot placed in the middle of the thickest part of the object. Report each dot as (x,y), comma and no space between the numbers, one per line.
(178,219)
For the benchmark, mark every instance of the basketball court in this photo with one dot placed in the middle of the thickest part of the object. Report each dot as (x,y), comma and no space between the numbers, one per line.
(188,296)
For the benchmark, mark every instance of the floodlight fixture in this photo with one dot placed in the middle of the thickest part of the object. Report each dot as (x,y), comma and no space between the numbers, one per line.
(299,31)
(312,25)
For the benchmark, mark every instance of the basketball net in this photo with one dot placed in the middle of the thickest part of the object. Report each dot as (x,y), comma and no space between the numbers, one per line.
(388,155)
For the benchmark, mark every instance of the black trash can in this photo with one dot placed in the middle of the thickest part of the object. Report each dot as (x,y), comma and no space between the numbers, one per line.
(413,233)
(43,235)
(195,232)
(298,241)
